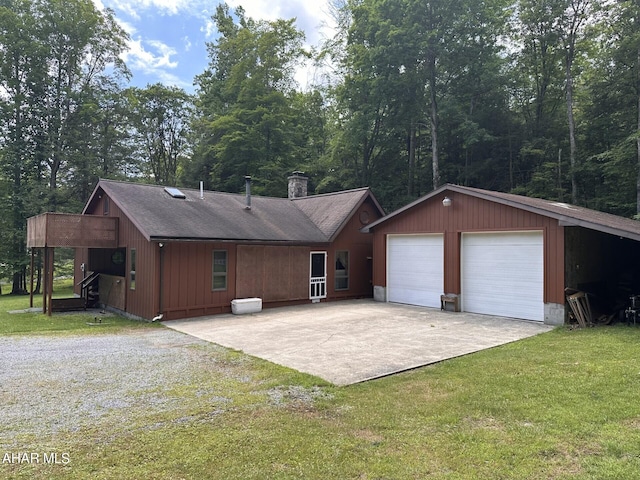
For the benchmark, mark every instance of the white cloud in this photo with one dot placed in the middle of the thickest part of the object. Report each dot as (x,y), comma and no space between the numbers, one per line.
(157,65)
(163,7)
(311,16)
(167,78)
(125,7)
(156,54)
(209,29)
(187,43)
(139,57)
(127,27)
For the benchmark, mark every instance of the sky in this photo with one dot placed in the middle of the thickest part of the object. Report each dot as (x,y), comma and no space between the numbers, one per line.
(168,37)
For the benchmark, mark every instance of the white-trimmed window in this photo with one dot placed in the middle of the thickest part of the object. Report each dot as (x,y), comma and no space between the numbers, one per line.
(342,270)
(219,280)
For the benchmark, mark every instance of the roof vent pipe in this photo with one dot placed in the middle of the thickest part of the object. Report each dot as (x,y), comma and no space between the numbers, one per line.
(247,186)
(202,190)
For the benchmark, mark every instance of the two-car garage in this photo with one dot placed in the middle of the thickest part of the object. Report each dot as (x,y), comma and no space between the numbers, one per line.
(492,253)
(501,273)
(502,254)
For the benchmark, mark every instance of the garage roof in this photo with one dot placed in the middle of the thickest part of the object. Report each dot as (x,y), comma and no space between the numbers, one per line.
(566,214)
(182,214)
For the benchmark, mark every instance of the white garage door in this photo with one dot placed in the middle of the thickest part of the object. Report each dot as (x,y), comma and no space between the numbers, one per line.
(415,269)
(502,274)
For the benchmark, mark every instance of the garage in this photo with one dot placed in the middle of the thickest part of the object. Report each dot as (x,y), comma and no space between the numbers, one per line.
(507,255)
(503,274)
(416,269)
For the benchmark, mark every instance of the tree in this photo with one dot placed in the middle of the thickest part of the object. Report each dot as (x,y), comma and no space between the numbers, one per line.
(22,77)
(107,148)
(404,64)
(245,102)
(612,113)
(537,84)
(83,52)
(161,117)
(626,55)
(572,24)
(52,54)
(378,68)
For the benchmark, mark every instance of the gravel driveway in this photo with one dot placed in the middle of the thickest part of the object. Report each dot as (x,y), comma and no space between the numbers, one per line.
(108,384)
(64,383)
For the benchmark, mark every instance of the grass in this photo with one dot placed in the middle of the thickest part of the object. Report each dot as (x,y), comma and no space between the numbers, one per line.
(70,323)
(562,405)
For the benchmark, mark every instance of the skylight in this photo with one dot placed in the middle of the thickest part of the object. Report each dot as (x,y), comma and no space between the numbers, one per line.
(174,192)
(563,205)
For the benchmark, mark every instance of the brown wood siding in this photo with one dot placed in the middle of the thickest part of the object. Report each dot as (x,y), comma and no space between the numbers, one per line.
(274,273)
(144,300)
(250,275)
(188,279)
(281,274)
(277,274)
(113,290)
(360,248)
(280,264)
(69,230)
(470,214)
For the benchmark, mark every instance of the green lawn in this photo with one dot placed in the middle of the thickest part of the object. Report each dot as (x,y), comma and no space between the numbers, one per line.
(37,323)
(565,404)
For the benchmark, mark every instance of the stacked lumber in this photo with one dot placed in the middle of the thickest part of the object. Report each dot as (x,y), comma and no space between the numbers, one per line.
(581,308)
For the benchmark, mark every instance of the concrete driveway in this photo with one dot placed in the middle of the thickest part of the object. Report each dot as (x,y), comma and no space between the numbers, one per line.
(348,342)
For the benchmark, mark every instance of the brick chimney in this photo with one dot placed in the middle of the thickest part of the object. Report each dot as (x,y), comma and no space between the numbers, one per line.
(297,185)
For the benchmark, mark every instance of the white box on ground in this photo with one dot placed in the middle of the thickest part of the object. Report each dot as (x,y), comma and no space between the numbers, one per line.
(246,305)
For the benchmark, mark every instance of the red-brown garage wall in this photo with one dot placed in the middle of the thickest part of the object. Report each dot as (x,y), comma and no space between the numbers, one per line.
(471,214)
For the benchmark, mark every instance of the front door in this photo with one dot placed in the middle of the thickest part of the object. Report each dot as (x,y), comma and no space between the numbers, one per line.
(318,280)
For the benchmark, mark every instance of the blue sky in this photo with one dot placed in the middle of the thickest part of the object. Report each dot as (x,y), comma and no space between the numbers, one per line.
(168,37)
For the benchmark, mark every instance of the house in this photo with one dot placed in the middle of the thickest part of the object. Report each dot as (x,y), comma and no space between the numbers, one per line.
(503,254)
(184,253)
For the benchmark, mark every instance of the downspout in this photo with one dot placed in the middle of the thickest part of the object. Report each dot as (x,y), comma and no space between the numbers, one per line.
(158,317)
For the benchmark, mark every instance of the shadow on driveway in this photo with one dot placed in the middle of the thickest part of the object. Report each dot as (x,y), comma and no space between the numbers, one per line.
(352,341)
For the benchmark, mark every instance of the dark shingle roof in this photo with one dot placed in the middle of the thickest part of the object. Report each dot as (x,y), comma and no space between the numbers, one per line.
(223,216)
(566,214)
(330,211)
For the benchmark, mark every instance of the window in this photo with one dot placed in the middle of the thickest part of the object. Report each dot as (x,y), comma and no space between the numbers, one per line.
(132,270)
(342,270)
(219,270)
(174,192)
(105,206)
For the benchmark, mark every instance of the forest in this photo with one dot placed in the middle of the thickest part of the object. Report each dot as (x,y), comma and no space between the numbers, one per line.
(535,97)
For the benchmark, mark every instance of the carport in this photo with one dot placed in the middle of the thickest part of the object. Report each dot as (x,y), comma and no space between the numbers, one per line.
(605,265)
(357,340)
